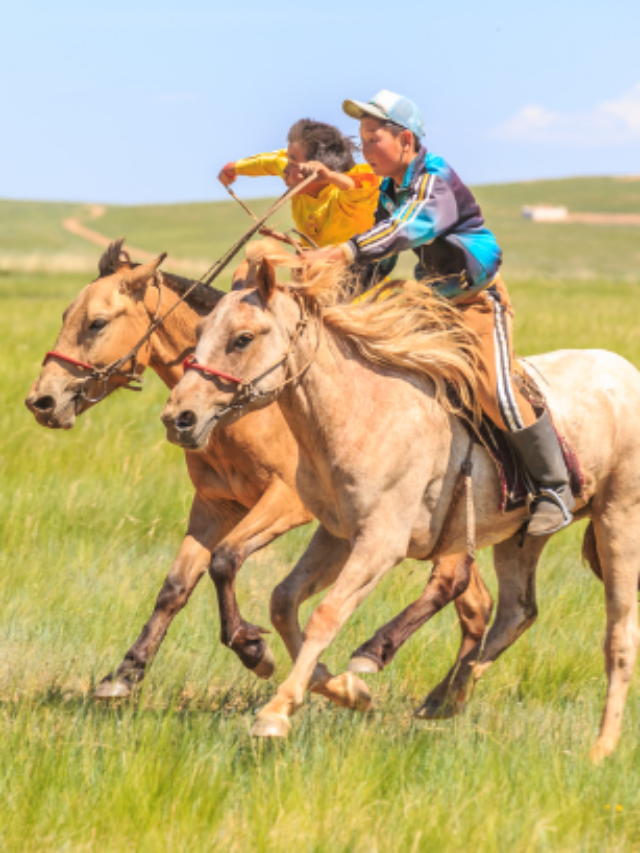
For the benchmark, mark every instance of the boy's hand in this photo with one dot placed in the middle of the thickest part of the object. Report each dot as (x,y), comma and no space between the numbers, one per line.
(323,172)
(228,175)
(343,182)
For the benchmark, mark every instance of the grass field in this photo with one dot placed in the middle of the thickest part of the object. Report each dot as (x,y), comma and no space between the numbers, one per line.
(91,520)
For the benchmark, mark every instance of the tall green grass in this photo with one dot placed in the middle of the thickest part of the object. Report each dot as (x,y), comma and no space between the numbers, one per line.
(90,522)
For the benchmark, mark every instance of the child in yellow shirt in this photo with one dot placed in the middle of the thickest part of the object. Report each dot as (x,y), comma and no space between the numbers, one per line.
(332,209)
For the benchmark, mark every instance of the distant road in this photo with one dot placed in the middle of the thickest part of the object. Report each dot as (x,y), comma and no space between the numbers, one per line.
(604,218)
(95,211)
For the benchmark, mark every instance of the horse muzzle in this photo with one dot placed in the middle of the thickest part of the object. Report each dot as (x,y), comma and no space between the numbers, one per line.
(51,412)
(186,428)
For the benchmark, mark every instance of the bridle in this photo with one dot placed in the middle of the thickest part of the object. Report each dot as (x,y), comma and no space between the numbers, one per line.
(102,375)
(246,392)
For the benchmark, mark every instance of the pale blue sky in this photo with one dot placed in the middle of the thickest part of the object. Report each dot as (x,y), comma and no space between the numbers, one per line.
(144,100)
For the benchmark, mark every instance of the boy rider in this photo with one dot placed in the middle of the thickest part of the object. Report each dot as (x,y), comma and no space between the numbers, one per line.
(424,206)
(341,203)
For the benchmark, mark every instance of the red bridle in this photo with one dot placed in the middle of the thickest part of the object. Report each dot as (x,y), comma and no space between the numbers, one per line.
(53,354)
(190,363)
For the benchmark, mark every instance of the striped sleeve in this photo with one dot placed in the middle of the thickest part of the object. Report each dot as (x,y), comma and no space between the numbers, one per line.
(430,211)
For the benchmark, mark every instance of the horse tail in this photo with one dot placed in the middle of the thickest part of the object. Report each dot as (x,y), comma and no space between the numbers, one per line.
(590,551)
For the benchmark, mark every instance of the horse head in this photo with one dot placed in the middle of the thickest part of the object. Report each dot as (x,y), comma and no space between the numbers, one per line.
(102,325)
(238,357)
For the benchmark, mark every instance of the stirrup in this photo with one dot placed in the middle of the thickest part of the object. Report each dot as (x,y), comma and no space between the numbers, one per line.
(554,497)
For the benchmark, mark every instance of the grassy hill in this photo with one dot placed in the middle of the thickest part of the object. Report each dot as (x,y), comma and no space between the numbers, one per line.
(32,236)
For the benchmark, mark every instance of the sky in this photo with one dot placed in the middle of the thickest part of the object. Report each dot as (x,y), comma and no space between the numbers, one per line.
(144,101)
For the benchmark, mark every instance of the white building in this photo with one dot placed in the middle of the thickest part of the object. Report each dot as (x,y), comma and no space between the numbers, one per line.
(544,213)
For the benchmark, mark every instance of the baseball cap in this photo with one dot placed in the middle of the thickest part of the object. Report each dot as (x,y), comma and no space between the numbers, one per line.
(387,106)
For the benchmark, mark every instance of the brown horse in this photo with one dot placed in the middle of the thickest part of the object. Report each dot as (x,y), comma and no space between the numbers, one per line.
(245,480)
(381,482)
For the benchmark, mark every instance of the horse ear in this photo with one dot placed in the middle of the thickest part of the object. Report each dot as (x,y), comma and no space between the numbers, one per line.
(240,276)
(266,279)
(139,276)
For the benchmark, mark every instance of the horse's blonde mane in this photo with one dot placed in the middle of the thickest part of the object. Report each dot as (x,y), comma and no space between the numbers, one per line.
(402,325)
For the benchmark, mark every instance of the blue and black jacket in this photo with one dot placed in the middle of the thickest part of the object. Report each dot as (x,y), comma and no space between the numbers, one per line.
(435,214)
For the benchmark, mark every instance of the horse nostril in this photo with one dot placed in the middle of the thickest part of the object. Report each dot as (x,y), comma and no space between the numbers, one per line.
(44,404)
(185,420)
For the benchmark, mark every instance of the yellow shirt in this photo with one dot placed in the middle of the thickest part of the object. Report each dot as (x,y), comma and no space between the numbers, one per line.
(334,215)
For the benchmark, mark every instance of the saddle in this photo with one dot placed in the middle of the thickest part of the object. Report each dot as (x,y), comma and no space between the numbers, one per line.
(514,487)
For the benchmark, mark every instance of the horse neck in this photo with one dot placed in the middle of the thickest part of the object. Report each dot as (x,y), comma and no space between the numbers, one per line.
(336,398)
(309,402)
(175,339)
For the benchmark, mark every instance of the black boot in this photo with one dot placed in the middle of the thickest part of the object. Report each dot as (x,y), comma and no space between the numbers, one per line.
(540,452)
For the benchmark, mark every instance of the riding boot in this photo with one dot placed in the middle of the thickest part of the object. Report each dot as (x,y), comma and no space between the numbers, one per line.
(552,501)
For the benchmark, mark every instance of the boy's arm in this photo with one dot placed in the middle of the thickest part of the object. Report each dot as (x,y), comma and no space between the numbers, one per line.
(431,210)
(259,166)
(338,179)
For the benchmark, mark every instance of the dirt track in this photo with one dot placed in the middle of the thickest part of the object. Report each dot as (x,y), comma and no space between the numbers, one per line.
(74,226)
(604,218)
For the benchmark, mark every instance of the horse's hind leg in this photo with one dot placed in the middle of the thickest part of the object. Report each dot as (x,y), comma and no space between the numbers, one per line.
(617,533)
(452,578)
(474,608)
(517,611)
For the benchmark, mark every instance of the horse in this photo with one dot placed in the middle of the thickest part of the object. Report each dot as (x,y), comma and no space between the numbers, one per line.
(363,388)
(245,495)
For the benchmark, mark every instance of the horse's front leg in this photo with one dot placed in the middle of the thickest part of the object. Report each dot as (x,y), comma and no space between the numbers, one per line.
(206,528)
(372,555)
(278,511)
(317,569)
(452,579)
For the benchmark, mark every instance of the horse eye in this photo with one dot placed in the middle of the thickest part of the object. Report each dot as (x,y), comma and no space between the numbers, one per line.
(98,324)
(243,341)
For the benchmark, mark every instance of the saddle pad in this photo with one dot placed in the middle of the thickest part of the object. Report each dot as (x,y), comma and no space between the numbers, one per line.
(513,485)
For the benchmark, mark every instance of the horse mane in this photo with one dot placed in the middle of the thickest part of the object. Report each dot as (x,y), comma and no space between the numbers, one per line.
(402,325)
(202,298)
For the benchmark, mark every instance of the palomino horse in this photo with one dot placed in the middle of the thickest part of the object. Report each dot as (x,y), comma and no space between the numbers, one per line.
(361,387)
(244,482)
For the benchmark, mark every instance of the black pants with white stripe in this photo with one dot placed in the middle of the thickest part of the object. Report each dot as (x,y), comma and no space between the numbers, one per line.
(489,314)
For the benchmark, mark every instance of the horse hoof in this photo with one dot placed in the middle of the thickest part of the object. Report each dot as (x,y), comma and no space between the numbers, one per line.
(363,665)
(602,749)
(433,709)
(267,665)
(349,691)
(271,725)
(112,690)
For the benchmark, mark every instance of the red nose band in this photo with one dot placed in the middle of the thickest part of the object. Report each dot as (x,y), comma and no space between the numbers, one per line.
(53,354)
(190,363)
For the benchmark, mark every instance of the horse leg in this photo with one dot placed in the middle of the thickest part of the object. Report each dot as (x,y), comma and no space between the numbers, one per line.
(317,569)
(205,529)
(517,610)
(474,608)
(616,535)
(452,578)
(372,555)
(278,511)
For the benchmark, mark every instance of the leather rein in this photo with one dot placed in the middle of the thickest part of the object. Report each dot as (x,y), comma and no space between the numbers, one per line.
(246,392)
(102,375)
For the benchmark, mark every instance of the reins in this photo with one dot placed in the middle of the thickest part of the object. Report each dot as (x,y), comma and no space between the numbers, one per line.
(104,374)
